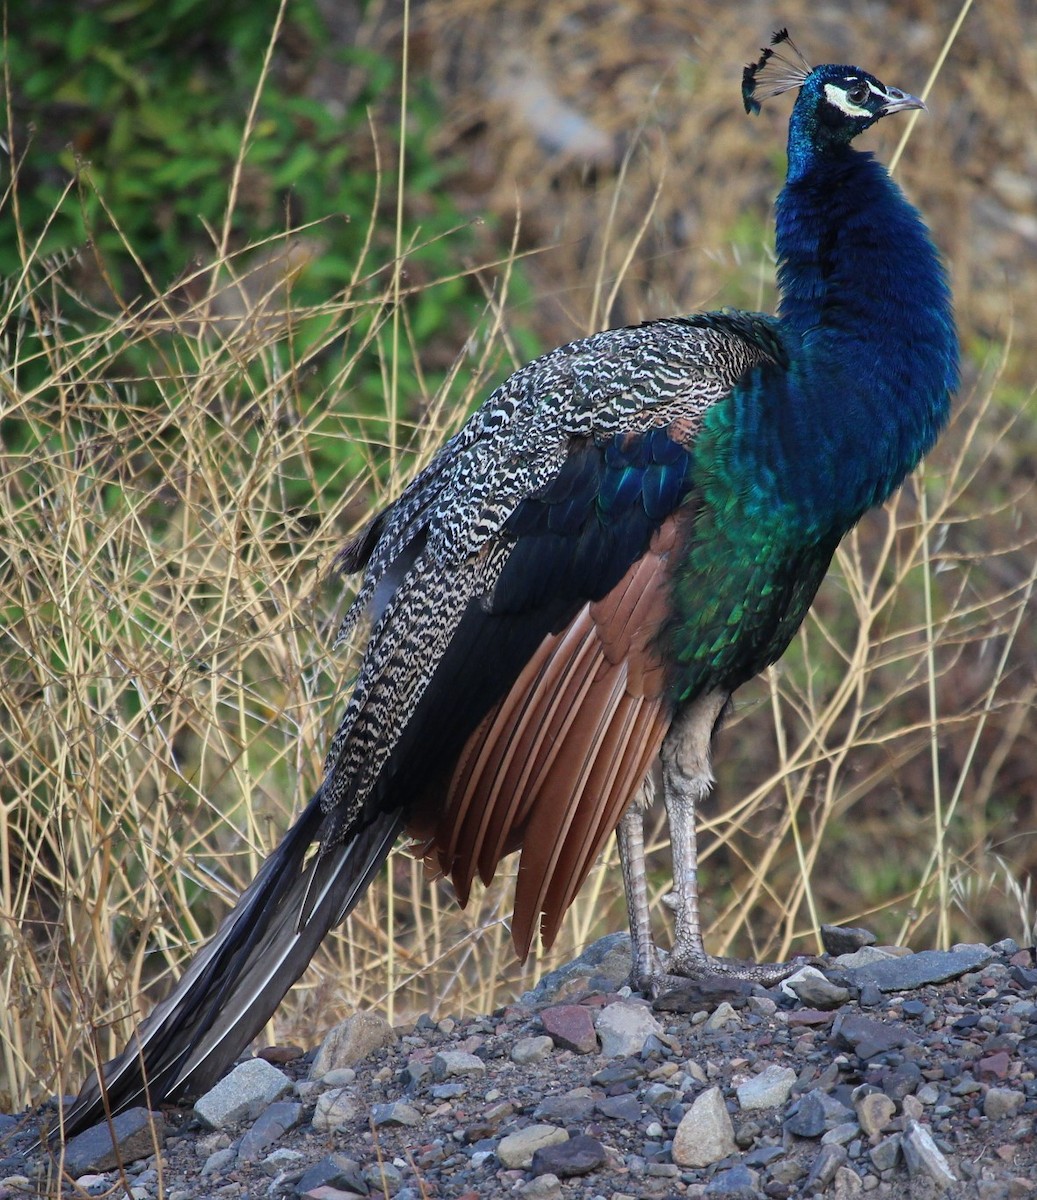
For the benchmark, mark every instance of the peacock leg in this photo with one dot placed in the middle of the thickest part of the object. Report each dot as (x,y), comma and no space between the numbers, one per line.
(630,835)
(687,780)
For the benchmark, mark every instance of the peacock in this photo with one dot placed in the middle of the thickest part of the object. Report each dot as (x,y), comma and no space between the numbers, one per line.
(567,595)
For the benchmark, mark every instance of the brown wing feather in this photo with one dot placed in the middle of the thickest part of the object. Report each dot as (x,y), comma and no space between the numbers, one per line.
(642,736)
(506,748)
(552,768)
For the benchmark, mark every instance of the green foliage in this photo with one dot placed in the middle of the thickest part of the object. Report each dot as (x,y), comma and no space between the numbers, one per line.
(128,120)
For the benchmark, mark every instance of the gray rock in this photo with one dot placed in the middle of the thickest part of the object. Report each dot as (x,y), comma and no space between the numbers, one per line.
(1006,946)
(840,1134)
(768,1089)
(736,1183)
(136,1133)
(869,1037)
(351,1041)
(415,1073)
(334,1110)
(966,1086)
(924,1157)
(282,1160)
(613,971)
(863,957)
(1002,1102)
(620,1108)
(927,967)
(705,1134)
(847,1184)
(396,1113)
(657,1094)
(517,1149)
(219,1160)
(869,995)
(902,1081)
(14,1184)
(763,1156)
(338,1077)
(572,1108)
(543,1187)
(815,1113)
(787,1171)
(623,1028)
(335,1171)
(703,995)
(242,1095)
(383,1178)
(531,1050)
(786,986)
(456,1062)
(822,1171)
(660,1170)
(845,939)
(272,1124)
(816,990)
(565,1160)
(553,984)
(721,1017)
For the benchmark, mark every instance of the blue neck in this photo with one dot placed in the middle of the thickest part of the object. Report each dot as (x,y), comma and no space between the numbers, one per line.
(866,314)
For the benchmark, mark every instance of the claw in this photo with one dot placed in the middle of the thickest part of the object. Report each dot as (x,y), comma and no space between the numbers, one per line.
(702,981)
(705,966)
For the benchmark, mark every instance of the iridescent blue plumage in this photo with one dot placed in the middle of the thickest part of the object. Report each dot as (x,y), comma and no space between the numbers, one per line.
(567,595)
(801,451)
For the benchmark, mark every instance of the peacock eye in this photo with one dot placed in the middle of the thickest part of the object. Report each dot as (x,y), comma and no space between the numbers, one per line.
(858,93)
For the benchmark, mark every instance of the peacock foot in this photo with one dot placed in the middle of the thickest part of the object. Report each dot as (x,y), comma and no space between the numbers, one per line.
(701,975)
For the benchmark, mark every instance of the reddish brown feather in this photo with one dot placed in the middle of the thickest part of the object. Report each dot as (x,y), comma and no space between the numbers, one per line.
(510,744)
(518,789)
(552,768)
(548,883)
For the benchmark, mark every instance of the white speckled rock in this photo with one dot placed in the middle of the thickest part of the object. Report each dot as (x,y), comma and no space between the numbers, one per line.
(721,1018)
(531,1049)
(335,1109)
(705,1134)
(924,1157)
(242,1095)
(623,1027)
(351,1041)
(768,1089)
(517,1149)
(457,1062)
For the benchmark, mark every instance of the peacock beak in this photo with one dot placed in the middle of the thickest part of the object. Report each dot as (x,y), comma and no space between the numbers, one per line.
(898,101)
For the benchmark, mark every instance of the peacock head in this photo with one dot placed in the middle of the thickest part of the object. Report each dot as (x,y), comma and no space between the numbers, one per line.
(835,103)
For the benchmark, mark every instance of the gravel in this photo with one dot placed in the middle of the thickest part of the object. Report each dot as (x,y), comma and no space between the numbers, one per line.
(928,1088)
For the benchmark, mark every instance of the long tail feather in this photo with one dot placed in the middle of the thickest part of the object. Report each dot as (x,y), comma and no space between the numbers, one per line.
(236,981)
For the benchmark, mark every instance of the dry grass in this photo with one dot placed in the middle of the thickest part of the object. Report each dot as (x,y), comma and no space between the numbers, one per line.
(165,684)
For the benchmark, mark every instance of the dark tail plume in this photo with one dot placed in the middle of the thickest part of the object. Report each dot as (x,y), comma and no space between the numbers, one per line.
(236,981)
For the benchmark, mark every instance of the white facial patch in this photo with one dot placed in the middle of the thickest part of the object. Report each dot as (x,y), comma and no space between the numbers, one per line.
(836,96)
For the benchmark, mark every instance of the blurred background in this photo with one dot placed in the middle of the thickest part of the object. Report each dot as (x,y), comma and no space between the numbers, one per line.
(257,261)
